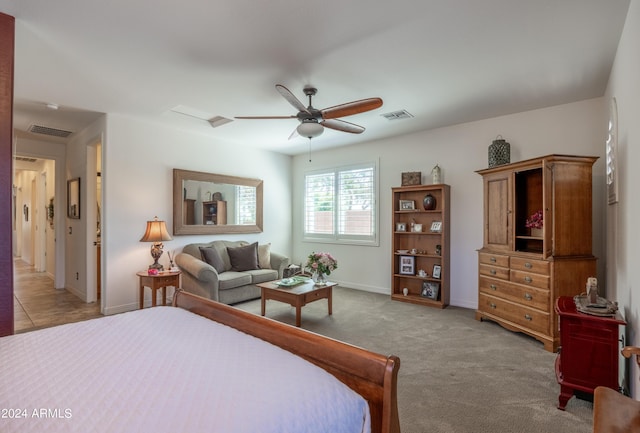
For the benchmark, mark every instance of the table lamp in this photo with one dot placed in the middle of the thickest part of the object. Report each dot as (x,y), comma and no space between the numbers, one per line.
(156,232)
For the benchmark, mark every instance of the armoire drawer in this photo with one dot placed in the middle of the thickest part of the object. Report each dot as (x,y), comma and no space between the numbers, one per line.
(529,265)
(530,279)
(531,318)
(494,259)
(494,271)
(527,296)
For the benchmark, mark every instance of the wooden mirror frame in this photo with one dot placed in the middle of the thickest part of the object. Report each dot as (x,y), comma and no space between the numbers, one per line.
(180,228)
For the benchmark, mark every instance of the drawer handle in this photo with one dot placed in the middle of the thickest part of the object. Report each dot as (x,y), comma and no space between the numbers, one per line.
(529,318)
(492,259)
(528,296)
(493,287)
(492,305)
(492,271)
(528,265)
(527,279)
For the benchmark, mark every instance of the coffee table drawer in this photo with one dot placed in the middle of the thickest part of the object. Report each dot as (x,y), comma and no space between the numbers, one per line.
(316,294)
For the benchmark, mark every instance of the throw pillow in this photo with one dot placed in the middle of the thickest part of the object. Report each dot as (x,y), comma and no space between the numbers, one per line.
(264,256)
(244,258)
(211,256)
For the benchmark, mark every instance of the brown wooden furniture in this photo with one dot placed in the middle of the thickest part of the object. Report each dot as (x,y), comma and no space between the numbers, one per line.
(521,274)
(371,375)
(590,352)
(214,212)
(426,248)
(614,412)
(189,211)
(155,282)
(297,296)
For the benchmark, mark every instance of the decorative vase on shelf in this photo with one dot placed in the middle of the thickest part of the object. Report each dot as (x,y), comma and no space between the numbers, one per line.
(429,202)
(536,233)
(319,278)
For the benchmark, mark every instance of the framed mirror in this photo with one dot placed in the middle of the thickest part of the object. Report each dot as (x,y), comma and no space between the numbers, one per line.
(73,198)
(209,203)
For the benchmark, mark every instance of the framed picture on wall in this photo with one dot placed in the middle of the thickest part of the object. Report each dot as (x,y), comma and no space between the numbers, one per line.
(73,198)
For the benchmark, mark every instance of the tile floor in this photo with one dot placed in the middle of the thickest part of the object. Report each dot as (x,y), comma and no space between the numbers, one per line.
(37,304)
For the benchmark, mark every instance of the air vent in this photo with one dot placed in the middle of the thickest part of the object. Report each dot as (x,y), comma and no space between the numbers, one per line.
(24,158)
(395,115)
(45,130)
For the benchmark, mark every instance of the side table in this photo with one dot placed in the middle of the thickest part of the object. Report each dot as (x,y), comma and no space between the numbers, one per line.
(589,351)
(155,282)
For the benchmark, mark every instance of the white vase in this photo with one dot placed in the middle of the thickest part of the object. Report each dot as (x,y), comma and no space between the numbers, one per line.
(319,278)
(536,233)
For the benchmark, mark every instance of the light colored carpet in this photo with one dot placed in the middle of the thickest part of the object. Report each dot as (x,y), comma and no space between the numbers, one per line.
(456,374)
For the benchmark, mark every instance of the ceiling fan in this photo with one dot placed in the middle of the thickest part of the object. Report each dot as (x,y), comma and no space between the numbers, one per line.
(313,121)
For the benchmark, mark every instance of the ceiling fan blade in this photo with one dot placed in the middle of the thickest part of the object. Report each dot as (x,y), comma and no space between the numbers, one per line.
(265,117)
(290,97)
(294,134)
(341,125)
(351,108)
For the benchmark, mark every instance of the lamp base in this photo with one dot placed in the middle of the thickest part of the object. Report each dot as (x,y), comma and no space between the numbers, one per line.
(157,266)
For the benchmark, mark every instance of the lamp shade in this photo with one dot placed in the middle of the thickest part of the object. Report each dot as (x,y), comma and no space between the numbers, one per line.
(156,232)
(310,129)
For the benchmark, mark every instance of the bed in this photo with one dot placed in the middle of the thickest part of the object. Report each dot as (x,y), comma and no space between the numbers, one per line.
(202,367)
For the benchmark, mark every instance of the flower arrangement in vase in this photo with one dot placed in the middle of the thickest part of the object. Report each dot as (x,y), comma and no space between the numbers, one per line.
(535,223)
(321,264)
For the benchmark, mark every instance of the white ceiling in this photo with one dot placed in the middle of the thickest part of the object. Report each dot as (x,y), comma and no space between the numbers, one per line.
(444,61)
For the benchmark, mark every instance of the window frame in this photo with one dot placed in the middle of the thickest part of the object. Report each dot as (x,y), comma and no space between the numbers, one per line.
(335,237)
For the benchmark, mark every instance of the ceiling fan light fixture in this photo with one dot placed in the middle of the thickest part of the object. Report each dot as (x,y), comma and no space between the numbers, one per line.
(310,129)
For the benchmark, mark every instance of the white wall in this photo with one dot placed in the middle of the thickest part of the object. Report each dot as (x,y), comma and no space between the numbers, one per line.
(460,150)
(137,183)
(623,249)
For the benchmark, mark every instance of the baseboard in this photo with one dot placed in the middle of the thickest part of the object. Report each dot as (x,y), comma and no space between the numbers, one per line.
(365,288)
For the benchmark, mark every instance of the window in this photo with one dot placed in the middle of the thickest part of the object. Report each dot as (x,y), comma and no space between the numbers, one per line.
(340,205)
(246,199)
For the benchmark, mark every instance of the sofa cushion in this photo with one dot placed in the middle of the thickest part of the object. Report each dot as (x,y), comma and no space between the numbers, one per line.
(211,256)
(264,256)
(244,258)
(232,279)
(263,275)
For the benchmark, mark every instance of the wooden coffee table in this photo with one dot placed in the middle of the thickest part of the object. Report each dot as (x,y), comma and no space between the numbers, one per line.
(297,296)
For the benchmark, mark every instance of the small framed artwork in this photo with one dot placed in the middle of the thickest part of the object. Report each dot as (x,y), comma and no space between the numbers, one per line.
(73,198)
(407,205)
(436,271)
(407,265)
(430,290)
(401,227)
(417,228)
(411,178)
(436,226)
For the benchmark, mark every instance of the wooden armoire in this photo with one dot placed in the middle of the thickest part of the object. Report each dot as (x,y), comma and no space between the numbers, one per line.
(521,273)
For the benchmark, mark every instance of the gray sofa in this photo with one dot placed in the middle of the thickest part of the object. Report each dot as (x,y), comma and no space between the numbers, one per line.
(231,270)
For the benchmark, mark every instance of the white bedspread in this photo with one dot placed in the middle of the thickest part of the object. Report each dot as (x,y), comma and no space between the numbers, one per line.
(165,369)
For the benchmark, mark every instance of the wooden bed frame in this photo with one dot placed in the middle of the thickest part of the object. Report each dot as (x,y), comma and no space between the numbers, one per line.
(371,375)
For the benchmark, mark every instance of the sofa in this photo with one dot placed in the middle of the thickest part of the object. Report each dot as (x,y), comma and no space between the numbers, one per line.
(228,271)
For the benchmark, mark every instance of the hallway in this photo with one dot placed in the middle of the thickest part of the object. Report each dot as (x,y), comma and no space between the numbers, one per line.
(37,304)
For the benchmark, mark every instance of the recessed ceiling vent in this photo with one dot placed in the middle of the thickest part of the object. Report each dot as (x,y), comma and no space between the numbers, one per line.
(24,158)
(45,130)
(395,115)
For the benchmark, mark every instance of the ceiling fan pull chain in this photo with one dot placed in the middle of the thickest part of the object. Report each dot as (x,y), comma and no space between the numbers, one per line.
(309,149)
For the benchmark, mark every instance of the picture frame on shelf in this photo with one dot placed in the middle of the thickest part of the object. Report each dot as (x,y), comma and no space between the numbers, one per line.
(411,178)
(407,205)
(430,290)
(417,228)
(407,265)
(401,227)
(437,269)
(436,227)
